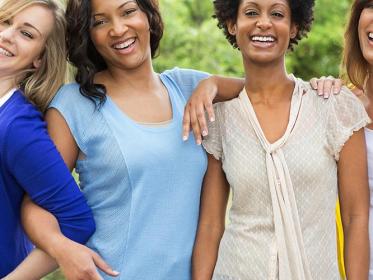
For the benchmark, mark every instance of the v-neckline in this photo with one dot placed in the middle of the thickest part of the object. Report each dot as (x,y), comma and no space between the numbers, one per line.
(293,115)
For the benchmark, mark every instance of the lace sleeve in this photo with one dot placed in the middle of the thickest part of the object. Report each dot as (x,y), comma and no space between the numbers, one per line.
(346,115)
(213,142)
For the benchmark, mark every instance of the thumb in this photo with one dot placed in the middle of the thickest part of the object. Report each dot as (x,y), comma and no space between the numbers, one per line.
(101,264)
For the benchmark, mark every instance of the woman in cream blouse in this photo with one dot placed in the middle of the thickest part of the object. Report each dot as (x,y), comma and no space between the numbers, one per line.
(286,154)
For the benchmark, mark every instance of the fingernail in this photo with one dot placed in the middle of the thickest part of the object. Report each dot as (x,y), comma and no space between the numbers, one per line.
(199,142)
(204,133)
(185,138)
(212,119)
(326,96)
(116,272)
(336,91)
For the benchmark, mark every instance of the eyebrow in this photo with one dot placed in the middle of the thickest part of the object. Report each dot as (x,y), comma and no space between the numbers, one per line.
(120,7)
(33,27)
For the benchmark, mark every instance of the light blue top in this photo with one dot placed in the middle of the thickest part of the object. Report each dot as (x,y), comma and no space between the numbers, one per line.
(143,183)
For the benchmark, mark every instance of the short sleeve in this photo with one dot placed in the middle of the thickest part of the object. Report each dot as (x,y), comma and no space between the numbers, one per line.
(213,141)
(186,79)
(75,109)
(346,115)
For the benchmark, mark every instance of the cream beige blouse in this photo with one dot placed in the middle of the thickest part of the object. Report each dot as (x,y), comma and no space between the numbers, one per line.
(282,219)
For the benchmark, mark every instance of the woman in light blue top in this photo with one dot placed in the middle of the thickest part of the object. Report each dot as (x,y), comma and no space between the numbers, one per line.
(120,126)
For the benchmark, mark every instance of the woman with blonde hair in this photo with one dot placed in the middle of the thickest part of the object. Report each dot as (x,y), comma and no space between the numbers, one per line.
(357,68)
(32,68)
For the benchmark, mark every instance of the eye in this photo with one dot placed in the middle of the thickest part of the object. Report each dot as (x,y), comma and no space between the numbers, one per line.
(129,11)
(27,34)
(277,14)
(98,22)
(251,13)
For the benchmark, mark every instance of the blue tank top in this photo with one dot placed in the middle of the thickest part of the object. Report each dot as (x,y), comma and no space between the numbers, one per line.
(143,183)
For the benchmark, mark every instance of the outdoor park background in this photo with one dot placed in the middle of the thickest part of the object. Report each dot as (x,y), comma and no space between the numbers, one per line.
(192,40)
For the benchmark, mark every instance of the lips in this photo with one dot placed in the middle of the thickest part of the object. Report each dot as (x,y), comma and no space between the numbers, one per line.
(122,45)
(5,52)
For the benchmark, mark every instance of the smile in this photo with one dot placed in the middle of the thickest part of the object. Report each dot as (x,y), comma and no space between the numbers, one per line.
(262,39)
(370,36)
(5,52)
(124,45)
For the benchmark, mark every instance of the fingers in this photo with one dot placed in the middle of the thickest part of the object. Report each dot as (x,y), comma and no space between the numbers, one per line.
(326,86)
(195,118)
(337,86)
(186,123)
(195,126)
(313,83)
(101,264)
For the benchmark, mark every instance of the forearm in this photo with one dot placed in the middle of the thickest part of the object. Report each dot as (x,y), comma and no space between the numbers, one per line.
(35,266)
(227,88)
(356,248)
(42,228)
(205,251)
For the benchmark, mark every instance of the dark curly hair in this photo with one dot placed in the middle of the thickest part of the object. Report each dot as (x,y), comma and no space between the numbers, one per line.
(301,15)
(83,54)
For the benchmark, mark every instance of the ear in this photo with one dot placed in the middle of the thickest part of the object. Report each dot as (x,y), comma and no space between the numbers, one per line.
(232,28)
(293,30)
(36,63)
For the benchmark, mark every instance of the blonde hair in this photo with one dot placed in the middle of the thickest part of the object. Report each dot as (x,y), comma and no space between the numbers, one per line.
(40,85)
(354,65)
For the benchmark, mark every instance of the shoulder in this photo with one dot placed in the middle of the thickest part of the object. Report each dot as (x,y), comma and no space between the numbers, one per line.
(71,103)
(186,76)
(20,109)
(67,95)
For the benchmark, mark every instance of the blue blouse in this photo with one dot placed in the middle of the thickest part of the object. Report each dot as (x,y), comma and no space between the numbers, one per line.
(31,164)
(143,183)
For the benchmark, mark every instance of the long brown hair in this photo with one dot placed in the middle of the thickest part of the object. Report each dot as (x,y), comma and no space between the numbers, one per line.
(354,65)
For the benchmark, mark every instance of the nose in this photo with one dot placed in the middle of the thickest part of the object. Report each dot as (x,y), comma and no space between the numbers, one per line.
(7,34)
(264,22)
(118,28)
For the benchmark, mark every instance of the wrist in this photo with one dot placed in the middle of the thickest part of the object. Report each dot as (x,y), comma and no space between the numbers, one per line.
(57,245)
(211,84)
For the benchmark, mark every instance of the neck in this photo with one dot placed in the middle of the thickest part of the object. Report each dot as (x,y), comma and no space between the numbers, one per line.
(142,79)
(267,81)
(6,84)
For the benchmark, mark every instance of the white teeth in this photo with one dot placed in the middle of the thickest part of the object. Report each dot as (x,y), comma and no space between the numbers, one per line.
(125,44)
(370,35)
(263,38)
(5,52)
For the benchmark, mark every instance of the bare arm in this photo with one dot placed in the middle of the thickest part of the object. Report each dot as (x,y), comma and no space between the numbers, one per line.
(76,261)
(211,225)
(35,266)
(354,200)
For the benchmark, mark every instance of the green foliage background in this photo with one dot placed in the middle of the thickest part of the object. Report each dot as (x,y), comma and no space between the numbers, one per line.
(192,40)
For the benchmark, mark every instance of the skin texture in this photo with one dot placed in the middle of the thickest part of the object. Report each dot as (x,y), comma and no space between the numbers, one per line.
(271,102)
(24,38)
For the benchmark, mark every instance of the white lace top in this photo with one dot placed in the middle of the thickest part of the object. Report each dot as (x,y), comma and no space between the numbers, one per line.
(282,219)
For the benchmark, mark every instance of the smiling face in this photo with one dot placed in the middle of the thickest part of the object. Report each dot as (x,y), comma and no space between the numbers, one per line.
(263,30)
(365,31)
(22,39)
(120,33)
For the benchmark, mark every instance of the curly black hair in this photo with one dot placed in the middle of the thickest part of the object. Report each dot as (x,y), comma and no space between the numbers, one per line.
(301,15)
(83,54)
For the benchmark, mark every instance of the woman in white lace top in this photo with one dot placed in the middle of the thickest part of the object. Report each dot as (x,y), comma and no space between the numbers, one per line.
(357,62)
(286,155)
